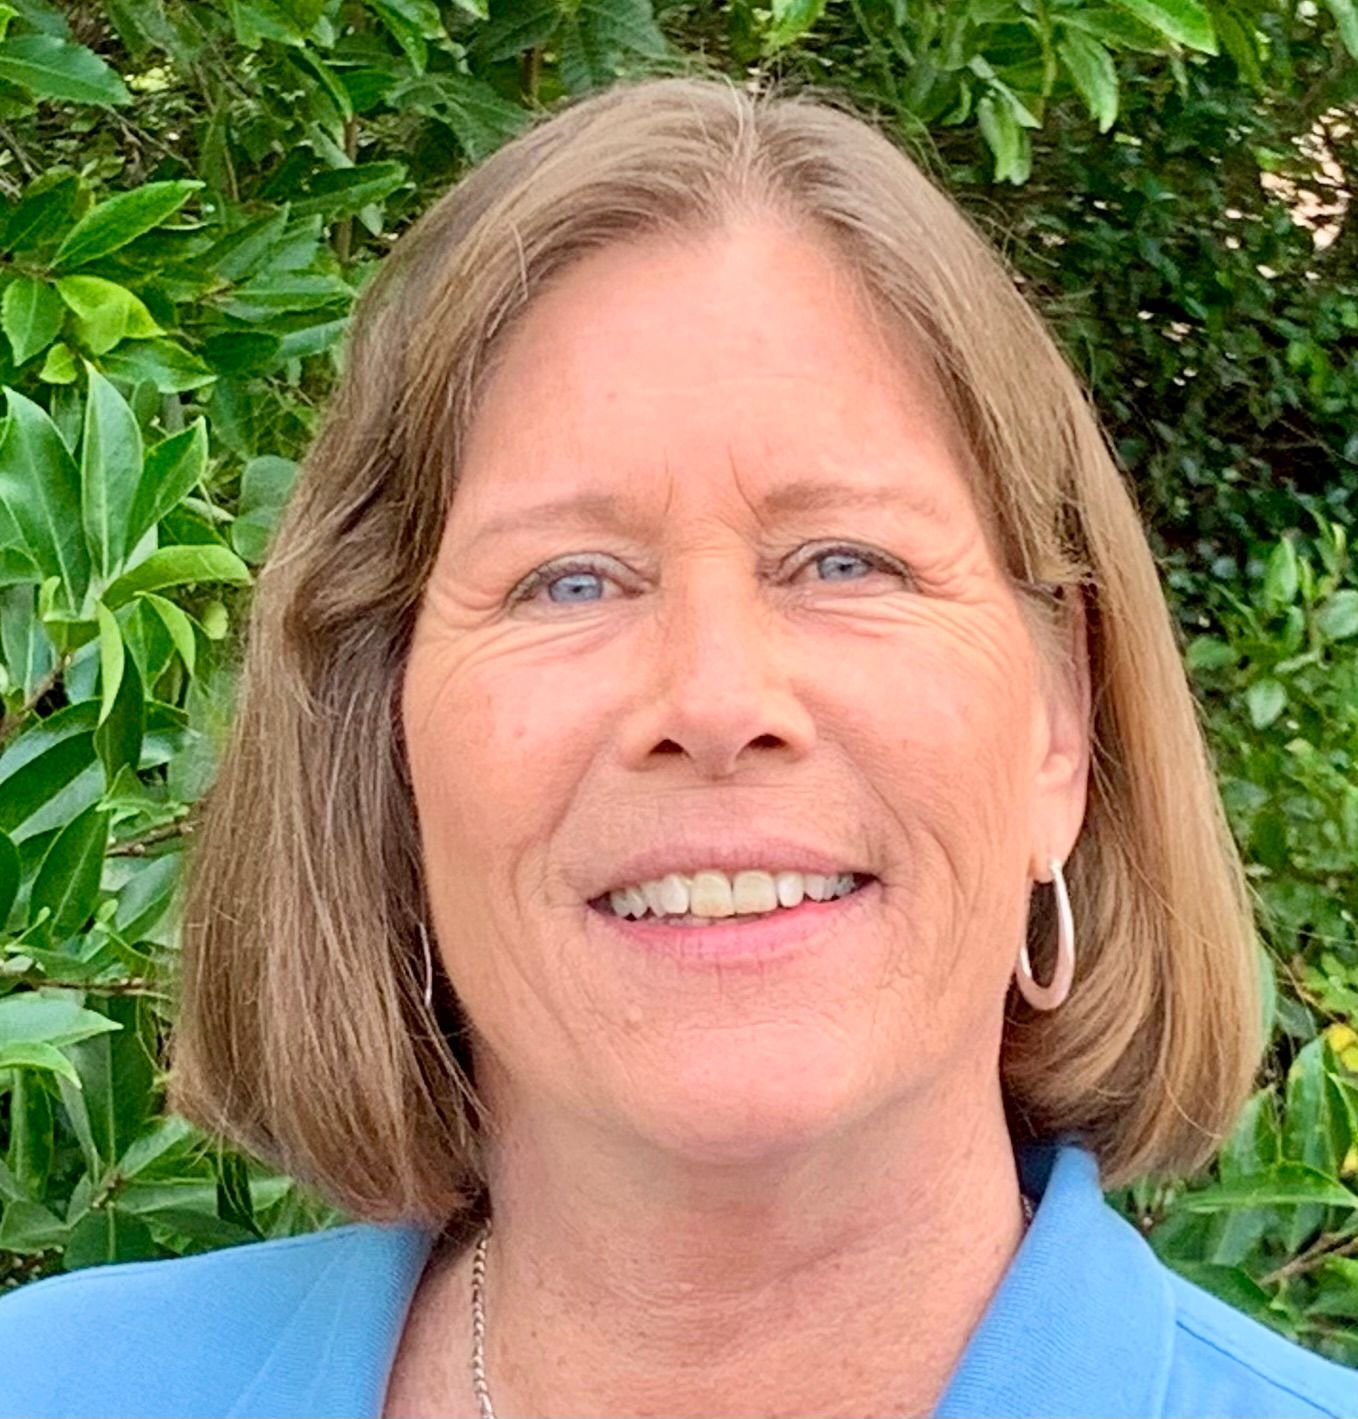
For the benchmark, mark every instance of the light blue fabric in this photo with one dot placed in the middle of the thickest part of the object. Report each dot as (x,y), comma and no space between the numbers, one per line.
(1086,1322)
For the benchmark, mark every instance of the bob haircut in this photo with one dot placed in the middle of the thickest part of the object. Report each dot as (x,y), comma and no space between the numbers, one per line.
(302,1032)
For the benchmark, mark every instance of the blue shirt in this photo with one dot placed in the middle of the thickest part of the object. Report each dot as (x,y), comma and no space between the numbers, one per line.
(1087,1321)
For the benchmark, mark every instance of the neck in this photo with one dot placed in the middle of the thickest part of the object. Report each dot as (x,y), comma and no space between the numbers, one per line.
(844,1278)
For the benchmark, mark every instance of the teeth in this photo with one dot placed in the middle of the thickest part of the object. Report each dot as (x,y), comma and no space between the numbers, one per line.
(791,888)
(709,894)
(754,892)
(715,894)
(674,894)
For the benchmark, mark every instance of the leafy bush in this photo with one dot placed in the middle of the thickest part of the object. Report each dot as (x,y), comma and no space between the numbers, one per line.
(193,195)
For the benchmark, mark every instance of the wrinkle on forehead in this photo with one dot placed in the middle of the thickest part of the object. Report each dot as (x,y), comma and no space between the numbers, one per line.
(620,368)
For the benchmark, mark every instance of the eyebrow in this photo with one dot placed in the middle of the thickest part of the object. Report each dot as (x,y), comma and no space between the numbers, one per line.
(804,495)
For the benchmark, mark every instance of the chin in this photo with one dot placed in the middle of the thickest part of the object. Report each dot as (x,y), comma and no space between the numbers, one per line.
(770,1104)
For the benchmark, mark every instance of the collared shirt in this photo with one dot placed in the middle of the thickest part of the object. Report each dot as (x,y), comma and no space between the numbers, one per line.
(1087,1321)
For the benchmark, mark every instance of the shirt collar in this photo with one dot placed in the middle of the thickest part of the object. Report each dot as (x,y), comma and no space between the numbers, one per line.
(1083,1320)
(1081,1323)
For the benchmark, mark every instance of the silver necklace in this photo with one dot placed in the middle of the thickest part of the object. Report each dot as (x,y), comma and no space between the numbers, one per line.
(479,1385)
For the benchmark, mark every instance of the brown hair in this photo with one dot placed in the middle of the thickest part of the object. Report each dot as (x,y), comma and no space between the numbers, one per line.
(302,1031)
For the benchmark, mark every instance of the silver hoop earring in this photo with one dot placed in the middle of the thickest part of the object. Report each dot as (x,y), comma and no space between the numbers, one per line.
(428,968)
(1048,997)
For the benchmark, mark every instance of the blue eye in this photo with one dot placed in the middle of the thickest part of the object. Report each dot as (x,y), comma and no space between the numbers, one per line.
(851,564)
(575,587)
(567,584)
(841,564)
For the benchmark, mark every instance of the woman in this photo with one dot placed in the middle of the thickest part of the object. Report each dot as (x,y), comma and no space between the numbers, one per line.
(707,638)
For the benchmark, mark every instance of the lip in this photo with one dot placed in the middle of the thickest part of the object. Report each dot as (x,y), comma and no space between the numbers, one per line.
(733,943)
(727,854)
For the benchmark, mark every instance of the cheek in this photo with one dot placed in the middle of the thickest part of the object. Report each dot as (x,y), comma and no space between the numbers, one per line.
(947,699)
(498,748)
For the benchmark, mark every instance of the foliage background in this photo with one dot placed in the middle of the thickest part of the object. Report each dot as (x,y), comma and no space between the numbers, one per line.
(192,194)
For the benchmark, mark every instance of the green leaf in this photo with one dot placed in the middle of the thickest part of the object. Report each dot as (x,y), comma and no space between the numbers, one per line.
(1337,1292)
(40,488)
(623,27)
(118,1075)
(169,1137)
(32,1133)
(286,21)
(105,1235)
(241,352)
(1337,619)
(30,1017)
(110,471)
(234,1203)
(1252,1147)
(478,117)
(32,314)
(334,95)
(1006,138)
(1282,577)
(213,620)
(1237,38)
(265,486)
(1315,1131)
(1266,700)
(105,312)
(38,1056)
(147,894)
(59,367)
(175,566)
(165,363)
(791,20)
(111,657)
(41,796)
(170,472)
(178,625)
(17,568)
(1209,653)
(52,68)
(1184,21)
(240,252)
(340,192)
(45,16)
(410,23)
(311,340)
(10,872)
(46,209)
(1346,17)
(1091,68)
(78,1114)
(30,1227)
(266,296)
(68,879)
(514,29)
(1286,1185)
(121,219)
(118,738)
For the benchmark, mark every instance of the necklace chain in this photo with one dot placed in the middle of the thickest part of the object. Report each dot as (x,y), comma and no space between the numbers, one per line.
(479,1385)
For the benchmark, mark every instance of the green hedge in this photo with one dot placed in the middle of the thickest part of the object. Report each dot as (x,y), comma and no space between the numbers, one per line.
(193,194)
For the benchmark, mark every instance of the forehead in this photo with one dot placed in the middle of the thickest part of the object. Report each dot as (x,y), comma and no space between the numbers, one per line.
(747,357)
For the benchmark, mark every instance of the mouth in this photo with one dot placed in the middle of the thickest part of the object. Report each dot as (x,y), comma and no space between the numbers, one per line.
(736,919)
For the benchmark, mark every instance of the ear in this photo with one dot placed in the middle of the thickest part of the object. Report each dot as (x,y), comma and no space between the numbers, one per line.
(1064,737)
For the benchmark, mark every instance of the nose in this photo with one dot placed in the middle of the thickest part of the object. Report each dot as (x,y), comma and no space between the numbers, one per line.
(718,679)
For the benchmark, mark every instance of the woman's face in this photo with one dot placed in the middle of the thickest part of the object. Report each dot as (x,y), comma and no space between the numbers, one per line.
(713,594)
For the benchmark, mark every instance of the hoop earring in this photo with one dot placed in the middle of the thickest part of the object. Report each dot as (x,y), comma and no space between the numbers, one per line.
(1048,997)
(428,969)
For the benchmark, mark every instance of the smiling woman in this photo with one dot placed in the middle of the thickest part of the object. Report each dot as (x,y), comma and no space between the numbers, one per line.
(714,797)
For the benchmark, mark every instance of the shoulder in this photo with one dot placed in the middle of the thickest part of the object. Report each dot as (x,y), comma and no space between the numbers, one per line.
(216,1332)
(1226,1362)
